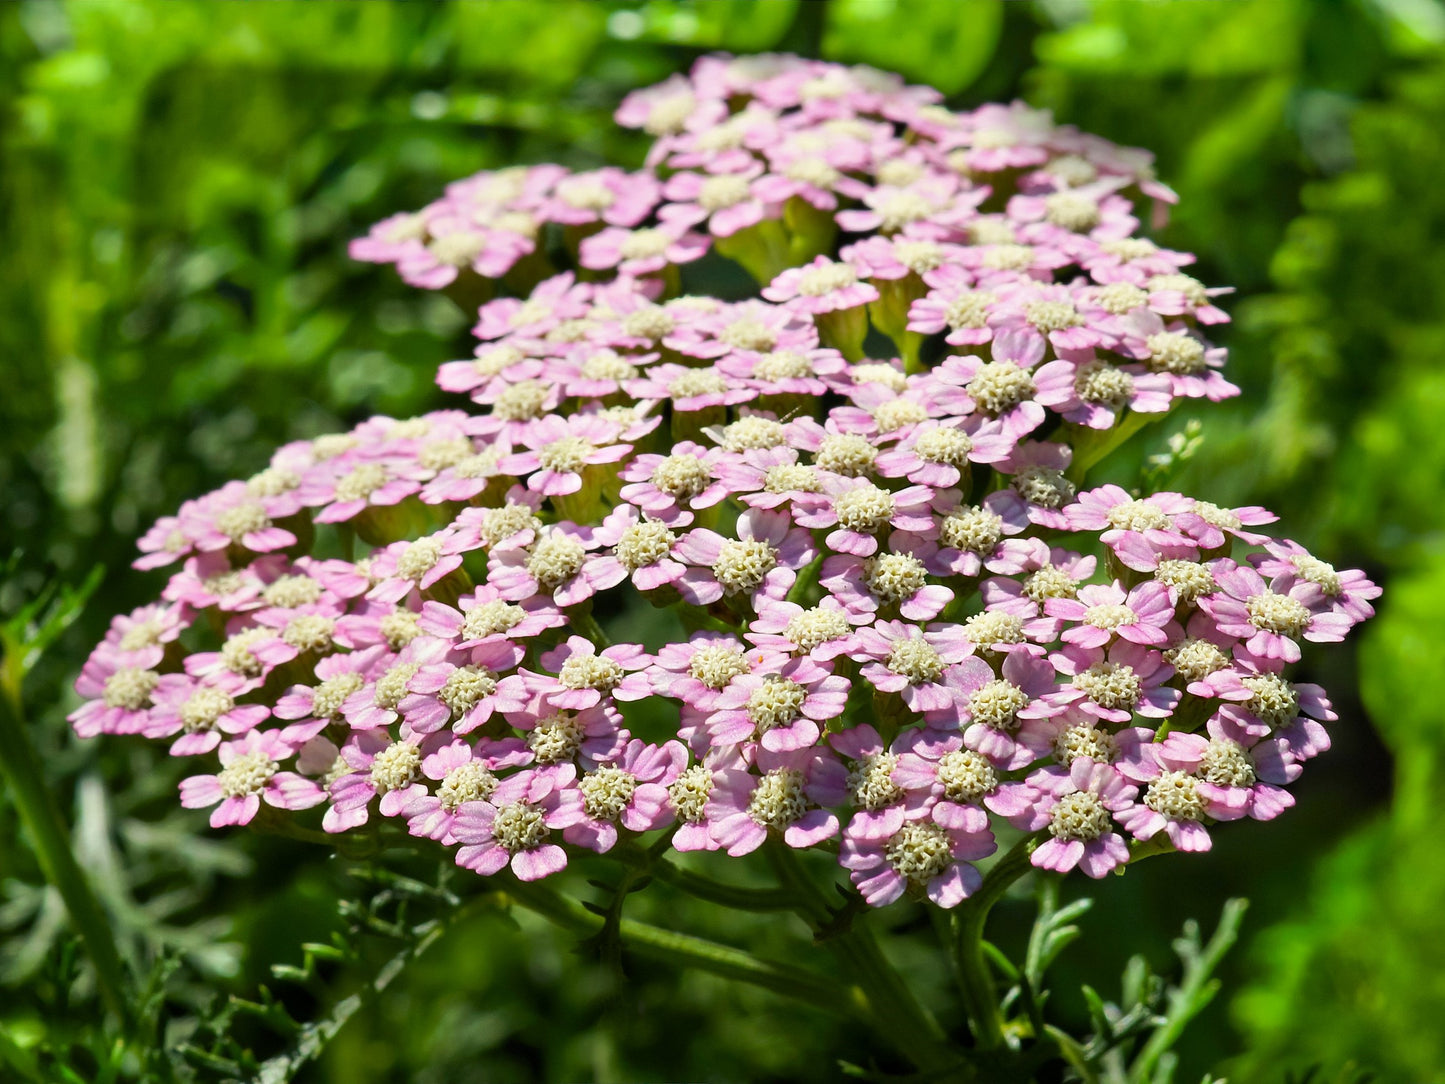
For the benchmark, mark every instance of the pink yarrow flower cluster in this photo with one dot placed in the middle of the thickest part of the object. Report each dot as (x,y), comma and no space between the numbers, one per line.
(919,629)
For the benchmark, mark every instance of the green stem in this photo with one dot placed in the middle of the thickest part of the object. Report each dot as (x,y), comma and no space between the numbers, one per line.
(684,950)
(583,621)
(1193,994)
(23,775)
(893,1010)
(979,994)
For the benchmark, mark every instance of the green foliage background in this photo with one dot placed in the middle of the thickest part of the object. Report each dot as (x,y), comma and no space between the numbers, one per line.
(178,181)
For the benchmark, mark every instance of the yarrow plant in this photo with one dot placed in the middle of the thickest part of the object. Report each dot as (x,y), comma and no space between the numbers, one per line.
(913,630)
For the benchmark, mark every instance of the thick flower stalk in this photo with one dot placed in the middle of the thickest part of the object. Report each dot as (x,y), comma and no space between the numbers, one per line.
(863,490)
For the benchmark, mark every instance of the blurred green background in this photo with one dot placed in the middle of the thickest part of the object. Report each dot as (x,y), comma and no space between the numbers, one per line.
(178,182)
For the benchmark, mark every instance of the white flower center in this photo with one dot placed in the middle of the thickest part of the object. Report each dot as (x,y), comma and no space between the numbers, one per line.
(644,244)
(555,738)
(457,249)
(776,702)
(1175,795)
(418,559)
(236,652)
(717,664)
(917,660)
(1278,613)
(944,444)
(1273,700)
(607,792)
(847,454)
(490,618)
(652,322)
(919,852)
(1050,581)
(130,688)
(753,432)
(918,256)
(392,685)
(1008,257)
(520,826)
(778,800)
(993,627)
(742,565)
(1196,659)
(521,402)
(243,519)
(972,529)
(1176,352)
(898,209)
(399,628)
(327,698)
(1047,316)
(1129,249)
(396,766)
(590,672)
(469,782)
(246,775)
(1112,685)
(465,686)
(1109,616)
(1135,515)
(894,577)
(968,310)
(1190,579)
(865,509)
(309,632)
(690,793)
(1072,211)
(1100,382)
(789,478)
(999,386)
(272,482)
(500,524)
(1079,816)
(203,708)
(1119,298)
(644,543)
(782,365)
(820,281)
(749,334)
(966,776)
(1086,741)
(1318,572)
(555,559)
(997,705)
(810,628)
(1193,290)
(1227,764)
(566,456)
(681,476)
(1044,486)
(879,372)
(723,191)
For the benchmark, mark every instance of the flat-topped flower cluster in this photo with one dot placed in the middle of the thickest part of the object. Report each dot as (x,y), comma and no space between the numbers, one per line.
(863,492)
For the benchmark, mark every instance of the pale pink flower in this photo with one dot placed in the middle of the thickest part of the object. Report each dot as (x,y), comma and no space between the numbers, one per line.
(931,852)
(464,774)
(1078,805)
(788,799)
(1271,623)
(250,772)
(783,709)
(201,711)
(1287,563)
(821,286)
(763,560)
(515,825)
(629,792)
